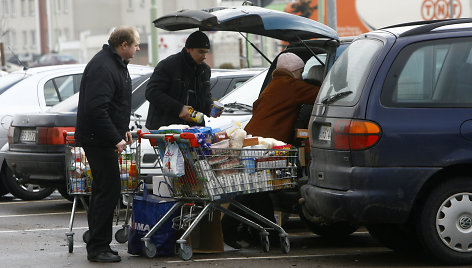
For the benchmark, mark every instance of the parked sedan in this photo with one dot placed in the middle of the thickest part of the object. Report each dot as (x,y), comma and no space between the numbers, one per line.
(36,151)
(32,91)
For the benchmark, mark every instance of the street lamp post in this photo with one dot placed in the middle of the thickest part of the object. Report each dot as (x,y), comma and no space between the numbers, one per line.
(154,41)
(451,9)
(332,14)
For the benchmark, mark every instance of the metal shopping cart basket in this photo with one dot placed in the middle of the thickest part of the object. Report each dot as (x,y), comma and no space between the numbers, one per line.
(79,182)
(215,176)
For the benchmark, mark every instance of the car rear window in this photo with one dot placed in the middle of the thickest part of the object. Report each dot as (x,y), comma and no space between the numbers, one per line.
(343,84)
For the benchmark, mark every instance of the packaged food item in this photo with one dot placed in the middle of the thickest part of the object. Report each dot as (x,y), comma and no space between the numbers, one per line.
(222,135)
(196,116)
(251,141)
(237,139)
(133,176)
(216,108)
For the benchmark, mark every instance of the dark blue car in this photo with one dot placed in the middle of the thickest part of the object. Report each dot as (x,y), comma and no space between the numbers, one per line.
(391,139)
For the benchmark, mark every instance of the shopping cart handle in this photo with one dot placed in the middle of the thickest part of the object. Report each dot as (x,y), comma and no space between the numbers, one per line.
(67,134)
(191,138)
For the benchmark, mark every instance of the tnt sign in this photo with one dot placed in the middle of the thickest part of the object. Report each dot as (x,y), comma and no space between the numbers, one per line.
(439,9)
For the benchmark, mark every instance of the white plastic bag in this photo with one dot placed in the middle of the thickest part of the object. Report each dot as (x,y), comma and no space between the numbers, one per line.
(173,161)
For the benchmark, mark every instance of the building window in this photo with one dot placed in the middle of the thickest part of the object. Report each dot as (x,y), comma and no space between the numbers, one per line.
(5,8)
(143,3)
(23,8)
(65,6)
(25,39)
(130,5)
(58,6)
(33,38)
(31,8)
(65,34)
(13,8)
(13,38)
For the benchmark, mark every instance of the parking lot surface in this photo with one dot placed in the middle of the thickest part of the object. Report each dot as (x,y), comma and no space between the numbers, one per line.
(32,234)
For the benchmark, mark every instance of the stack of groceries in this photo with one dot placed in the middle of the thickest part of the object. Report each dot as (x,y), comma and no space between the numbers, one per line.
(231,162)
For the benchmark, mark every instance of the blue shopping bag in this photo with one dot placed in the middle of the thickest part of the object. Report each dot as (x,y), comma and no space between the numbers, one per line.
(147,210)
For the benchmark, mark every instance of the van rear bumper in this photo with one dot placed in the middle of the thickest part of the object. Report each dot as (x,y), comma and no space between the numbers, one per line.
(376,195)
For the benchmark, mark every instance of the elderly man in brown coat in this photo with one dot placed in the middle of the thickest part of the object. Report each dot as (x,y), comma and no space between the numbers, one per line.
(276,109)
(274,116)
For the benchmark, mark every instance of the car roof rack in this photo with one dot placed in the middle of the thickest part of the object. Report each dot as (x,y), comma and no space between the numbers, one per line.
(427,26)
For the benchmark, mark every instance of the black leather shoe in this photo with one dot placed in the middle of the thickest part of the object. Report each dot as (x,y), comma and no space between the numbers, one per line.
(104,257)
(114,252)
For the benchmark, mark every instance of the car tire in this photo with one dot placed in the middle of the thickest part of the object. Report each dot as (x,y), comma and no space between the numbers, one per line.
(445,222)
(25,192)
(335,230)
(62,189)
(398,237)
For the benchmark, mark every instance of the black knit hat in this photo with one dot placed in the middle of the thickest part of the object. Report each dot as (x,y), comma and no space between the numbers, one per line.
(197,40)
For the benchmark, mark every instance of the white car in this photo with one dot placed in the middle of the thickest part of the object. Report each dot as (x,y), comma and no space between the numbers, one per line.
(36,90)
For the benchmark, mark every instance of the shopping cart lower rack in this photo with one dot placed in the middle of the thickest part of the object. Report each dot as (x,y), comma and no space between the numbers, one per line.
(214,176)
(79,183)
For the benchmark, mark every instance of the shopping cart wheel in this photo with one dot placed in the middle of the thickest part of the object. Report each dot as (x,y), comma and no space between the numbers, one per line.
(185,252)
(86,236)
(265,243)
(150,249)
(121,235)
(285,244)
(70,242)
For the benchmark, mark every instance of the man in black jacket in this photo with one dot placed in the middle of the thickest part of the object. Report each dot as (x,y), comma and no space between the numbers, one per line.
(102,130)
(180,82)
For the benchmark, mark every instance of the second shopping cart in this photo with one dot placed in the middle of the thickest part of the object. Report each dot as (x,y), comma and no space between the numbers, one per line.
(79,183)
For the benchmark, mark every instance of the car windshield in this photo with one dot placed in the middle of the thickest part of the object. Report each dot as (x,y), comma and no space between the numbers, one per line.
(344,83)
(70,104)
(9,80)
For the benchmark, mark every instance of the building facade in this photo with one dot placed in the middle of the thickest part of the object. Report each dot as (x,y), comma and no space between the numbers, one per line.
(30,28)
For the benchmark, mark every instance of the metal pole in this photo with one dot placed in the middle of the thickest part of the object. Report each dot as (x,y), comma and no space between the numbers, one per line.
(451,9)
(331,12)
(321,11)
(154,38)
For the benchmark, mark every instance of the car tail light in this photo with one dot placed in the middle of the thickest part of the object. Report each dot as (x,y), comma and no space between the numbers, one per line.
(11,131)
(52,135)
(355,134)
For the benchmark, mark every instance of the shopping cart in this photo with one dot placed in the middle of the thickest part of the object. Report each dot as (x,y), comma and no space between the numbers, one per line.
(214,176)
(79,182)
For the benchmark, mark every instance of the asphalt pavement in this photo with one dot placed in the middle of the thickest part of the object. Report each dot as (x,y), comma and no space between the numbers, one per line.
(32,234)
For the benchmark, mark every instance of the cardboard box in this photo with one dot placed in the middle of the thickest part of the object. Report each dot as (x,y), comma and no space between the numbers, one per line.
(207,237)
(250,141)
(302,133)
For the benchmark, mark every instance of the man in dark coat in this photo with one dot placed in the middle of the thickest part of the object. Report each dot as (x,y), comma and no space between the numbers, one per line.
(103,118)
(180,82)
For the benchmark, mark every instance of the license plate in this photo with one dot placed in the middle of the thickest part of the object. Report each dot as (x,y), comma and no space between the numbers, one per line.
(28,135)
(325,133)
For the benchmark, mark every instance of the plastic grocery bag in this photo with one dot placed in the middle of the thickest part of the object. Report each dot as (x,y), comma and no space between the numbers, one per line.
(173,161)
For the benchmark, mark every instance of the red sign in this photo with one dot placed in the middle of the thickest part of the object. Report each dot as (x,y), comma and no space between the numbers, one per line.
(440,9)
